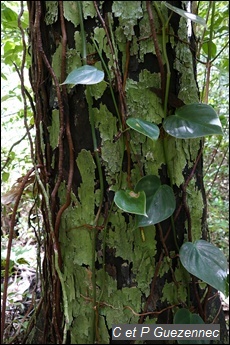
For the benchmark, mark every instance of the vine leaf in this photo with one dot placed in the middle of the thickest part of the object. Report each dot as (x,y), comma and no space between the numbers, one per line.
(144,127)
(87,75)
(131,202)
(185,14)
(183,316)
(193,121)
(206,262)
(160,201)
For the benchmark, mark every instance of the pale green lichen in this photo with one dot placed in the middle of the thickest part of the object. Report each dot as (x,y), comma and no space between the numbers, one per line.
(146,44)
(54,129)
(119,300)
(121,46)
(86,167)
(56,62)
(76,240)
(77,220)
(71,12)
(134,47)
(177,293)
(123,238)
(176,159)
(141,101)
(128,13)
(97,90)
(88,9)
(51,12)
(172,293)
(184,64)
(153,152)
(165,267)
(78,42)
(73,59)
(183,279)
(196,206)
(111,152)
(101,40)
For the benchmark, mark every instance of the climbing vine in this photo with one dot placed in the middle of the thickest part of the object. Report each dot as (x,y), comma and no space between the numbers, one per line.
(151,201)
(127,182)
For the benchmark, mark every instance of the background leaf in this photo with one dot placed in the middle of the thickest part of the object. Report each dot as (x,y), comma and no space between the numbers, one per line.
(87,75)
(206,262)
(144,127)
(160,201)
(213,50)
(193,121)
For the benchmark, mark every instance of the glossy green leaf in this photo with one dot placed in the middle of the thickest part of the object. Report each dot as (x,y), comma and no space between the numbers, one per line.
(130,201)
(185,14)
(144,127)
(87,75)
(160,201)
(193,121)
(183,316)
(206,262)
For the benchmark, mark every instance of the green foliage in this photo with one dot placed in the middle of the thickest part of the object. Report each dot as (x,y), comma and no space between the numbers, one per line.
(205,261)
(15,153)
(183,316)
(160,201)
(144,127)
(190,121)
(11,40)
(193,121)
(131,202)
(87,75)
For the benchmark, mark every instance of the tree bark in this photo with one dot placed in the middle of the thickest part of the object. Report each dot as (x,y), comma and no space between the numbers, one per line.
(109,273)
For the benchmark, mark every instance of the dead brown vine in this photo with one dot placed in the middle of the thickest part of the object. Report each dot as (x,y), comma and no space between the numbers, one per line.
(39,46)
(37,77)
(67,125)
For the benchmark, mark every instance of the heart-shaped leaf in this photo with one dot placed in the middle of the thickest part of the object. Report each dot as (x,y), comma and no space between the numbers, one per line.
(130,201)
(86,74)
(206,262)
(144,127)
(185,14)
(160,201)
(193,121)
(183,316)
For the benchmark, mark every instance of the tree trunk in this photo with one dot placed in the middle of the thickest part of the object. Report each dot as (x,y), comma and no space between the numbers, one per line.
(99,269)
